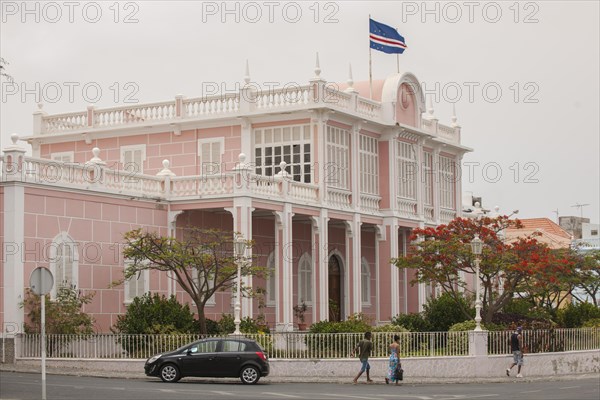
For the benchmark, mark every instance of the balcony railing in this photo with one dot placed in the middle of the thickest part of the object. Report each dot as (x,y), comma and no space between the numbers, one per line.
(299,345)
(247,101)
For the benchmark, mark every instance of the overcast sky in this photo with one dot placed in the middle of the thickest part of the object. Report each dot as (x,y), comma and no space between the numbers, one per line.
(524,76)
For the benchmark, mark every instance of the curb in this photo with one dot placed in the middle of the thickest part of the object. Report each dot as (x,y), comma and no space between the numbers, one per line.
(411,381)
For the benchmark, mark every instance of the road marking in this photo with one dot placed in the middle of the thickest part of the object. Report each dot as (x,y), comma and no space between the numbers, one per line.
(283,395)
(407,396)
(569,387)
(347,396)
(223,393)
(531,391)
(167,390)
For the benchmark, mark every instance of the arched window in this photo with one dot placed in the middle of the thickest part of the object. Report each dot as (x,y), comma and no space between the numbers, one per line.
(271,295)
(64,262)
(305,279)
(365,282)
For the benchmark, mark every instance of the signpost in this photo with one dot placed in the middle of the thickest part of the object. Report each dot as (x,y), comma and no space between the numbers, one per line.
(41,282)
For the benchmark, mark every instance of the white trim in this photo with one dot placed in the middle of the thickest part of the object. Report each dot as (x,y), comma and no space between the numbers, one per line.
(133,148)
(221,141)
(64,238)
(305,259)
(145,274)
(271,280)
(364,265)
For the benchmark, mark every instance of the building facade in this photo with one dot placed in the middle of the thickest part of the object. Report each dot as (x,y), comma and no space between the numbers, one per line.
(327,183)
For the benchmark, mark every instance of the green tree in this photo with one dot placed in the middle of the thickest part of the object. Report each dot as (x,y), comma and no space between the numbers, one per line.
(442,312)
(64,314)
(202,262)
(151,314)
(441,255)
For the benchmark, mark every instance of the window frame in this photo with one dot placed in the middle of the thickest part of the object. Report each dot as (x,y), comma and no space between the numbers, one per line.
(305,276)
(61,239)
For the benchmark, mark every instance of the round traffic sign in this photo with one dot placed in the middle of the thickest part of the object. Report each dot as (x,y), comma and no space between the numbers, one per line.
(41,281)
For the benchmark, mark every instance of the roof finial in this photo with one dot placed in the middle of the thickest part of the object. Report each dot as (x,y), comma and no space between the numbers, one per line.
(350,81)
(247,76)
(317,68)
(430,107)
(453,118)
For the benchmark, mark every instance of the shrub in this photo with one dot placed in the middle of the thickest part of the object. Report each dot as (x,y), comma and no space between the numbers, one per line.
(575,315)
(384,335)
(226,325)
(592,323)
(414,322)
(148,313)
(357,324)
(444,311)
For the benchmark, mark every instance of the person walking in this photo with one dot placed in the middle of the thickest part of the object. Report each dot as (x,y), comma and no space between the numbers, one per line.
(363,348)
(516,347)
(394,363)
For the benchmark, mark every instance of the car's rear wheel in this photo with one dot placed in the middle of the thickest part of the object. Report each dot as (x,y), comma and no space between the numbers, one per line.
(169,373)
(249,375)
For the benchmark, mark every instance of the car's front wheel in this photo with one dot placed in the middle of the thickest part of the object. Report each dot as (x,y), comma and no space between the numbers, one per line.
(249,375)
(169,373)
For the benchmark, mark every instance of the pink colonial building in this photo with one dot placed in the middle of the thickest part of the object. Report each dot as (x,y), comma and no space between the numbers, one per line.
(327,182)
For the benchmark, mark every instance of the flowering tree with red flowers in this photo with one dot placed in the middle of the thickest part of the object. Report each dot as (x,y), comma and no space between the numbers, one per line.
(442,256)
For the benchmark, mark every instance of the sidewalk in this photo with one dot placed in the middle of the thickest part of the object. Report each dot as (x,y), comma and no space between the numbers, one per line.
(300,379)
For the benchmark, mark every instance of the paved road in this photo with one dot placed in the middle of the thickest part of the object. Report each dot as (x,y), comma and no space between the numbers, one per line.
(15,385)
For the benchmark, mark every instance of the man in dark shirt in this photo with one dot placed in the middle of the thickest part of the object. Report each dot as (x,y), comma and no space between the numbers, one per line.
(363,348)
(516,347)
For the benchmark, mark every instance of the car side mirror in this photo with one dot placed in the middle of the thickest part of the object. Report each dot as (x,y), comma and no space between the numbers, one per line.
(189,352)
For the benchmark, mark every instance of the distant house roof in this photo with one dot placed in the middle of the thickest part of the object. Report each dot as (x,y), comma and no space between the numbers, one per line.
(552,234)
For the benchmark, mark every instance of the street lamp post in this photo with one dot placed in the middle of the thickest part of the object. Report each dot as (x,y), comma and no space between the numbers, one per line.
(476,249)
(240,249)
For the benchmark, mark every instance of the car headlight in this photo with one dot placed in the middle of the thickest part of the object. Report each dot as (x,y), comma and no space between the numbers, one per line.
(150,361)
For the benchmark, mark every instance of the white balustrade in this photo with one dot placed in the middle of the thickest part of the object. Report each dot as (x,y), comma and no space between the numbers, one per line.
(370,108)
(304,191)
(369,203)
(447,132)
(211,105)
(64,122)
(447,215)
(428,211)
(201,185)
(264,185)
(339,198)
(407,207)
(336,97)
(164,111)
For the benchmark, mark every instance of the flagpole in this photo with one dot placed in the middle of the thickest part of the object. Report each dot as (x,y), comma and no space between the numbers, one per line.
(370,64)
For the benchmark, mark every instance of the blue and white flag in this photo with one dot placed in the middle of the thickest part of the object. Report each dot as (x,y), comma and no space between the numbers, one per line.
(385,38)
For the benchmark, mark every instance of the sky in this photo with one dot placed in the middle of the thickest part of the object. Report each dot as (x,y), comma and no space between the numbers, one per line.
(523,76)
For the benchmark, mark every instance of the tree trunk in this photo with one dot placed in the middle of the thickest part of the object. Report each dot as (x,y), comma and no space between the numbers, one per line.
(202,319)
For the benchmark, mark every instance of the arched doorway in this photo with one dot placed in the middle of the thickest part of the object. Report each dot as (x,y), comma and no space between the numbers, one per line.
(335,288)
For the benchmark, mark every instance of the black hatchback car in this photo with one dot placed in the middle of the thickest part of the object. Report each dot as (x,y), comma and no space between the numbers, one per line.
(214,358)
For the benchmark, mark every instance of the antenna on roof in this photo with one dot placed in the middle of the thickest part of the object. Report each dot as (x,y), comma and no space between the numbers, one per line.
(556,212)
(580,206)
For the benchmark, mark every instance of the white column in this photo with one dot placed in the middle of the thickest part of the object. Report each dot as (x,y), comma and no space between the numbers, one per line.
(353,235)
(420,180)
(319,142)
(395,273)
(315,265)
(458,187)
(324,265)
(242,224)
(172,227)
(14,237)
(246,139)
(435,173)
(286,280)
(379,237)
(405,233)
(355,166)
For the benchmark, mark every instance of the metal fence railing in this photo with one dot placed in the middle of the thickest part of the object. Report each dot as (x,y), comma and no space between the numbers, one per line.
(547,340)
(301,345)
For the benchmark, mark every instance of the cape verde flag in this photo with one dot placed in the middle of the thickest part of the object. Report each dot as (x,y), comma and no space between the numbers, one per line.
(385,38)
